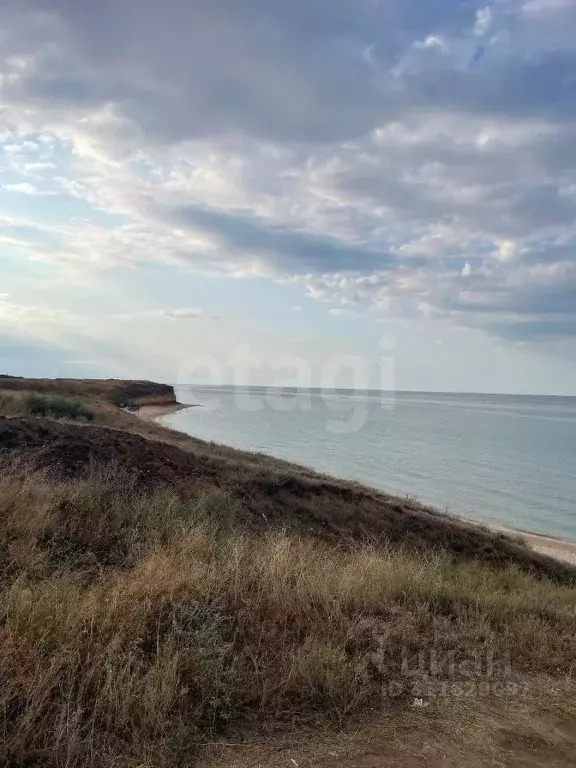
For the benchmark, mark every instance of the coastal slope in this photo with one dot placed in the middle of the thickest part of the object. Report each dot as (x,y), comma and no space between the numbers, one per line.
(167,602)
(269,497)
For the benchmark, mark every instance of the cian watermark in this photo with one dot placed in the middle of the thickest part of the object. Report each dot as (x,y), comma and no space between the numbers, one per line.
(436,672)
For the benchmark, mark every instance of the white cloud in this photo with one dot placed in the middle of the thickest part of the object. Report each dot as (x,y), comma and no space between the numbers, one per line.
(484,19)
(180,313)
(340,312)
(35,168)
(433,41)
(32,318)
(272,150)
(508,250)
(184,313)
(24,187)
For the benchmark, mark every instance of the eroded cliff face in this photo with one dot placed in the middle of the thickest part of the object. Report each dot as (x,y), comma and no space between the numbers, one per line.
(168,398)
(141,393)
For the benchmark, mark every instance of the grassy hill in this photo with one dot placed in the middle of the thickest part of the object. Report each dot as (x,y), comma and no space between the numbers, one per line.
(113,391)
(160,595)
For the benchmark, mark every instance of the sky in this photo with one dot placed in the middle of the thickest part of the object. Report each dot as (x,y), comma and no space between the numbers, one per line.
(372,193)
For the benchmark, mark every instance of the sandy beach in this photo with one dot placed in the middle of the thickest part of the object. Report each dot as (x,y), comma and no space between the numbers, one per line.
(561,549)
(158,411)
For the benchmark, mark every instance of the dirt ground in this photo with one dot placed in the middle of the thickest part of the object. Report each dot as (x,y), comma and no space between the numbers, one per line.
(455,733)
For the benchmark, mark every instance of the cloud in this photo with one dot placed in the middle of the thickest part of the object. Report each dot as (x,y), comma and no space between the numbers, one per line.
(66,336)
(185,313)
(340,312)
(290,249)
(348,147)
(508,250)
(16,314)
(484,20)
(180,313)
(24,187)
(36,168)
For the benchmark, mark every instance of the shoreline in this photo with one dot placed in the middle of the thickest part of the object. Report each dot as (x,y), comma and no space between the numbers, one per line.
(156,412)
(550,546)
(560,549)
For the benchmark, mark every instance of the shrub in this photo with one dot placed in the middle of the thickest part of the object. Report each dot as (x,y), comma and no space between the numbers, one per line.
(57,408)
(10,404)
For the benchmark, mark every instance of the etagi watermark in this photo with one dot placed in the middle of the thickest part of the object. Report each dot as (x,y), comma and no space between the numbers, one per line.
(347,387)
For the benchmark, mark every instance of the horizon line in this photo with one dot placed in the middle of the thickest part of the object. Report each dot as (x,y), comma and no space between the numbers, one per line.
(371,390)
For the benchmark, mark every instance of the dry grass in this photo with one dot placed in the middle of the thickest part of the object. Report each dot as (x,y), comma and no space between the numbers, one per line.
(116,391)
(134,628)
(104,413)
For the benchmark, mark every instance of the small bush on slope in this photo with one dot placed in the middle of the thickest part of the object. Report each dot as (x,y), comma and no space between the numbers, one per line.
(57,408)
(133,628)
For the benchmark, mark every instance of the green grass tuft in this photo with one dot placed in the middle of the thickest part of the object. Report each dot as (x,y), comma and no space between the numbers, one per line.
(57,408)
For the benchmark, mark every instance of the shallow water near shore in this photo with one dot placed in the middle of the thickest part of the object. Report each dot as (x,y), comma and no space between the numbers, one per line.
(500,459)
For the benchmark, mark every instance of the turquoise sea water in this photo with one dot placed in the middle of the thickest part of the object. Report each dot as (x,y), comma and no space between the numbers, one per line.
(494,458)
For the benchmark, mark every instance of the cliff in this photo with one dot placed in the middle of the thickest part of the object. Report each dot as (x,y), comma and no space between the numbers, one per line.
(116,391)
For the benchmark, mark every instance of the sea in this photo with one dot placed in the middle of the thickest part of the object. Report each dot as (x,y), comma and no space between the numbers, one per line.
(508,460)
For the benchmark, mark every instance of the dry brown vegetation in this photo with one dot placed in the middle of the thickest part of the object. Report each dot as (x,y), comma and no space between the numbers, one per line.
(136,627)
(114,391)
(157,595)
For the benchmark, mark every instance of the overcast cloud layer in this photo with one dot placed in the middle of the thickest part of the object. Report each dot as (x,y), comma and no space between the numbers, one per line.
(413,156)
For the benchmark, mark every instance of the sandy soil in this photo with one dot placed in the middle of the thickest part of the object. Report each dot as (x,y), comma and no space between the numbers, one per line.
(157,411)
(561,549)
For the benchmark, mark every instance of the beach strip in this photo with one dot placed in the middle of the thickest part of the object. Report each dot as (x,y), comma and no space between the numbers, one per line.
(153,412)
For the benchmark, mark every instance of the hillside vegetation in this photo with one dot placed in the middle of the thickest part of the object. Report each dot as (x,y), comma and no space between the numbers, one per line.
(113,391)
(159,594)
